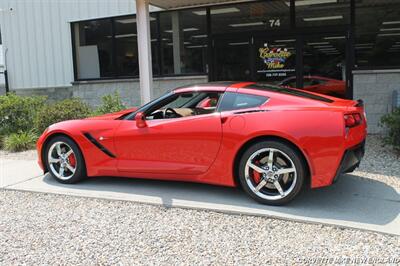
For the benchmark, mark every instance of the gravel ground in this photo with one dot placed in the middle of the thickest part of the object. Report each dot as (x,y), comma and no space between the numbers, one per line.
(54,229)
(24,155)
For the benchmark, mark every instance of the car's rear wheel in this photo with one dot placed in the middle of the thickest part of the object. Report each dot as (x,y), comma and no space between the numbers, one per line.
(272,172)
(64,160)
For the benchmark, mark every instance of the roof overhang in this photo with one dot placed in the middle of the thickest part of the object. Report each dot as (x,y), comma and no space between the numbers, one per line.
(178,4)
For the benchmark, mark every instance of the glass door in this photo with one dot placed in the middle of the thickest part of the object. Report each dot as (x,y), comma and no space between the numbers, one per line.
(231,59)
(324,64)
(275,59)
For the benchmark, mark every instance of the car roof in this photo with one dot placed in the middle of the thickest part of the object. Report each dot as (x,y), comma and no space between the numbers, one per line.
(262,87)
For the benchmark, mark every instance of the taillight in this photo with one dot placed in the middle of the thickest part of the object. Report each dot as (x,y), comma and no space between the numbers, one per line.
(352,120)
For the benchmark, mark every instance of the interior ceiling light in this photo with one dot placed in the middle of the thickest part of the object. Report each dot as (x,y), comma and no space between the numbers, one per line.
(323,18)
(238,43)
(364,44)
(311,2)
(125,35)
(317,43)
(335,38)
(200,36)
(328,49)
(196,46)
(323,46)
(289,40)
(217,11)
(259,23)
(390,22)
(388,34)
(187,29)
(389,29)
(130,20)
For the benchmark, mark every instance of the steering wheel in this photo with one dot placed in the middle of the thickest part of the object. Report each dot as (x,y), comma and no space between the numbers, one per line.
(171,113)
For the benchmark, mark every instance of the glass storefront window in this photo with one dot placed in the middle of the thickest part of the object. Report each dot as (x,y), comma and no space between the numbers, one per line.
(107,48)
(94,49)
(324,64)
(127,61)
(377,42)
(184,41)
(231,59)
(317,13)
(258,16)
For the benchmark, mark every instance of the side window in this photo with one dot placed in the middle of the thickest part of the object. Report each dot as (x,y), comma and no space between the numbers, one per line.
(236,101)
(185,104)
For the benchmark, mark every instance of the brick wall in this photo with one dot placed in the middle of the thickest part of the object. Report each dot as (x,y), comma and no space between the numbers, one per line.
(91,92)
(375,87)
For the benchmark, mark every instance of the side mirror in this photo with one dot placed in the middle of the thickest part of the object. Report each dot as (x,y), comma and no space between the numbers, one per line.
(140,120)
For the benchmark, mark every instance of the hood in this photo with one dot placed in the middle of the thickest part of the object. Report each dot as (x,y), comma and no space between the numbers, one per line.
(113,116)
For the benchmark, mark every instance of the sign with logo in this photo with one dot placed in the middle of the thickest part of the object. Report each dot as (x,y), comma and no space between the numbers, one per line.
(275,61)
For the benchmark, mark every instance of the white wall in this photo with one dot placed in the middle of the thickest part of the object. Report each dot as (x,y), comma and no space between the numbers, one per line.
(38,37)
(2,81)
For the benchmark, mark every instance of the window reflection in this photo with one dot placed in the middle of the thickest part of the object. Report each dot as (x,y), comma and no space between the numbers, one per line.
(377,33)
(184,41)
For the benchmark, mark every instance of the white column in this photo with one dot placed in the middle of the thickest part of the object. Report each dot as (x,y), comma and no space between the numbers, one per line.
(144,49)
(176,42)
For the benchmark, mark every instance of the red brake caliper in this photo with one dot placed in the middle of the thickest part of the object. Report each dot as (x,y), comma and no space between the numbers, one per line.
(72,160)
(256,175)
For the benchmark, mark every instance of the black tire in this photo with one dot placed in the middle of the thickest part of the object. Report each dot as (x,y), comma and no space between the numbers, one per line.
(80,170)
(296,159)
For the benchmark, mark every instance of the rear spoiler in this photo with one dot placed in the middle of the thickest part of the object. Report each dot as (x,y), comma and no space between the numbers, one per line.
(360,103)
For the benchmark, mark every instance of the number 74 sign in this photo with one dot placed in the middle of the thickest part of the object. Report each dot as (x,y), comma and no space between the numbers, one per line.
(274,23)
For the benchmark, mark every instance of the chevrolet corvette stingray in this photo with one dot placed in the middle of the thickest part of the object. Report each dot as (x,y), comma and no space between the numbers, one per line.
(271,141)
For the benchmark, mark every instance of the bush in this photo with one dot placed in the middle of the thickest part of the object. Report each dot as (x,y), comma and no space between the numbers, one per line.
(20,141)
(392,122)
(17,113)
(68,109)
(110,104)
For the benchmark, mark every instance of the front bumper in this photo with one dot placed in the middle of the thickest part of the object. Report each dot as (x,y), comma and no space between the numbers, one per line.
(351,160)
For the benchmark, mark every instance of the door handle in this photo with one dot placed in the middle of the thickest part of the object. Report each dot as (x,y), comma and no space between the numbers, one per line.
(224,119)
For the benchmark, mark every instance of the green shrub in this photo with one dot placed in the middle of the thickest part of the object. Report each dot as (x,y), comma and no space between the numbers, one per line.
(392,122)
(17,113)
(68,109)
(20,141)
(110,104)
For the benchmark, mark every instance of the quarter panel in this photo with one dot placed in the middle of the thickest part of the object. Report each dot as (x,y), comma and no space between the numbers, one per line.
(317,133)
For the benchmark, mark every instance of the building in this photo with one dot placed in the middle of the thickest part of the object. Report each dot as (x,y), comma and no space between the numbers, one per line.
(89,48)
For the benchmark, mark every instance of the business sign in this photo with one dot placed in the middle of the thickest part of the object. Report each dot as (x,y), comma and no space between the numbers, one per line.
(275,61)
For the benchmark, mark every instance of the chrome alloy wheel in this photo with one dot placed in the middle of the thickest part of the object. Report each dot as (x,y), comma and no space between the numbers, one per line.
(62,160)
(270,174)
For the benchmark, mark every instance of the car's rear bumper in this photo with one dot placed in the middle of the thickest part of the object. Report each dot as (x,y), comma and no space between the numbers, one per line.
(351,159)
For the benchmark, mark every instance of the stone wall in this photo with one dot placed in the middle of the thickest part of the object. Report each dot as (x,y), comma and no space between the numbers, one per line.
(376,87)
(92,91)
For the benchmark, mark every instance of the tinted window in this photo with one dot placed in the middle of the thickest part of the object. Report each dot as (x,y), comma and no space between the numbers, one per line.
(236,101)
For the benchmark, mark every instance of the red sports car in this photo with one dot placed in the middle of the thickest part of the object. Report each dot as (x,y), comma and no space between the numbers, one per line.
(318,84)
(269,140)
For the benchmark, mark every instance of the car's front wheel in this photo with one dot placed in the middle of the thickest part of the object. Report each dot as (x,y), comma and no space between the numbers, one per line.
(272,172)
(64,160)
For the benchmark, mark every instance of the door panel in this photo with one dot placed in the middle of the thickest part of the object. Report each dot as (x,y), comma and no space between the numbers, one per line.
(186,145)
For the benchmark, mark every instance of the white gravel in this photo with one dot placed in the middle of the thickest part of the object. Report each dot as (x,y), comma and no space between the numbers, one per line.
(46,229)
(54,229)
